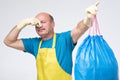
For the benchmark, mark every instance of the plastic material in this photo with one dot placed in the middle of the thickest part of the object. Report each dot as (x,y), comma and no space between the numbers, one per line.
(95,60)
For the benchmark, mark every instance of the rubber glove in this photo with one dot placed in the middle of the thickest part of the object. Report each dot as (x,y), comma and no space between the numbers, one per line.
(90,12)
(29,21)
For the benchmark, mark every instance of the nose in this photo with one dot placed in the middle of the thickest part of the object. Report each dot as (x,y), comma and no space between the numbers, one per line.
(39,25)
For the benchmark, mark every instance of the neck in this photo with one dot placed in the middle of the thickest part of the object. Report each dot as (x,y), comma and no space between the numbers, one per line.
(48,36)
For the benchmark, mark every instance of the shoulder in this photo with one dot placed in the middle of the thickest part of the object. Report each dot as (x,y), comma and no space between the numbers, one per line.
(64,34)
(31,39)
(64,37)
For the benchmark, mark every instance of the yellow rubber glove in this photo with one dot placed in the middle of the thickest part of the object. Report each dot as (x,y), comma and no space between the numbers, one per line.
(29,21)
(90,12)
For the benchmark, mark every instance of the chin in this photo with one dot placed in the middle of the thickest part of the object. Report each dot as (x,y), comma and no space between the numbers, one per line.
(41,35)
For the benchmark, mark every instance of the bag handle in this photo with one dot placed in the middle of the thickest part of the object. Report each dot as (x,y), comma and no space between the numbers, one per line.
(95,27)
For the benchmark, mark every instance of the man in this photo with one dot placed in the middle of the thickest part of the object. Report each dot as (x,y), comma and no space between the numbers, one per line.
(53,51)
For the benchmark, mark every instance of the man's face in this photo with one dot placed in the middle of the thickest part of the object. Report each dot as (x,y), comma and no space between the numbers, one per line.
(47,26)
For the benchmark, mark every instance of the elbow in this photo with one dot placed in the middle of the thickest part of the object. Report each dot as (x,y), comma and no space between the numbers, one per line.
(6,42)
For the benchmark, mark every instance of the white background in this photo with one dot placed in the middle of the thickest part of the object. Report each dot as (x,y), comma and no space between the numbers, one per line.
(16,65)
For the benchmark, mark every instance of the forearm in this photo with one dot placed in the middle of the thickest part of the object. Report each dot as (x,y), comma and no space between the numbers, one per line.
(12,40)
(83,25)
(12,36)
(81,28)
(78,31)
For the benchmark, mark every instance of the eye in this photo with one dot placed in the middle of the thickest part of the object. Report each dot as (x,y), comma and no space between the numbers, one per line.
(43,21)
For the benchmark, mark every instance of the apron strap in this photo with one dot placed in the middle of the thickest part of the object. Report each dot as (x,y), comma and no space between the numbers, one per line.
(54,41)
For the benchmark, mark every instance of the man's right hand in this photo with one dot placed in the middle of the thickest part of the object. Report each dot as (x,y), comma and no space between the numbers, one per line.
(28,21)
(12,40)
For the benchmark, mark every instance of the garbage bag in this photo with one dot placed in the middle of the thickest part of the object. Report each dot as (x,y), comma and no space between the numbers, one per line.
(95,60)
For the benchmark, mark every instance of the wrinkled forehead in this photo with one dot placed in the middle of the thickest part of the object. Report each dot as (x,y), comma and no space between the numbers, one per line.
(43,16)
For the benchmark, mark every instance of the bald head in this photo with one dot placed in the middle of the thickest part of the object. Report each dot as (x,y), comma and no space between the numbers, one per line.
(47,15)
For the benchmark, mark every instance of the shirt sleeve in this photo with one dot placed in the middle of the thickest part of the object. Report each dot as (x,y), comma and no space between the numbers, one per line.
(31,45)
(69,40)
(28,45)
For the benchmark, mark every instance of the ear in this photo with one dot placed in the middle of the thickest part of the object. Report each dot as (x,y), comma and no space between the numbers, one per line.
(53,24)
